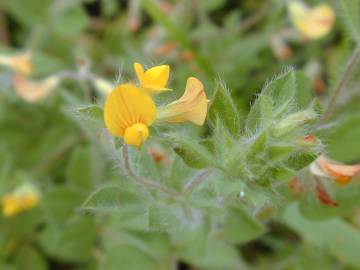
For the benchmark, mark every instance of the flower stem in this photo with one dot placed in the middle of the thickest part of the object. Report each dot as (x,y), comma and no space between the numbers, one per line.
(342,81)
(196,180)
(143,180)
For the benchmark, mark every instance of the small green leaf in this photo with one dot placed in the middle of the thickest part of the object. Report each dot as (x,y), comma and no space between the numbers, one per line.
(260,115)
(124,256)
(278,152)
(282,89)
(240,227)
(92,112)
(112,198)
(223,107)
(194,154)
(257,146)
(218,255)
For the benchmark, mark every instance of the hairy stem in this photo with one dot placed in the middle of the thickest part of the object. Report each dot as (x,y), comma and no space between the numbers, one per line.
(342,81)
(197,180)
(143,180)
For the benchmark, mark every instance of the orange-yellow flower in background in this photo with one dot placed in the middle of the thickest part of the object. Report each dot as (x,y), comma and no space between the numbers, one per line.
(192,106)
(19,63)
(342,174)
(128,112)
(312,23)
(32,91)
(154,79)
(21,199)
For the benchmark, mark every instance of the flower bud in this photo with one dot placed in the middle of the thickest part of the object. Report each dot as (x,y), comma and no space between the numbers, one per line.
(293,121)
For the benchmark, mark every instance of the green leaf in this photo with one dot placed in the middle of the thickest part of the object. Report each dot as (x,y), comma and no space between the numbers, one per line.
(350,10)
(278,152)
(222,107)
(260,115)
(164,217)
(71,21)
(217,255)
(193,154)
(240,227)
(28,259)
(127,257)
(72,242)
(92,112)
(80,168)
(28,12)
(282,89)
(341,239)
(343,141)
(113,198)
(62,202)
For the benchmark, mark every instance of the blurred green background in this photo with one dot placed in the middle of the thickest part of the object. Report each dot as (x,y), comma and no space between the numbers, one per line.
(89,44)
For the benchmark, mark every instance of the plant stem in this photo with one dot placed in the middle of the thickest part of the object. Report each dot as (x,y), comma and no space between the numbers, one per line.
(197,180)
(342,81)
(143,180)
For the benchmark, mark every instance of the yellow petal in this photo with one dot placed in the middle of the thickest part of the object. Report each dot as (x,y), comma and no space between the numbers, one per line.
(10,206)
(314,22)
(126,106)
(153,79)
(22,198)
(192,106)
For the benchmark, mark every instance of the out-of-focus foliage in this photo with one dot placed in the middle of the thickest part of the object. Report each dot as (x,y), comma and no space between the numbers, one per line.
(237,193)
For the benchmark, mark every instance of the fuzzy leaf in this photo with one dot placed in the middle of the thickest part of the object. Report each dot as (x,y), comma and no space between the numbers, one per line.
(350,10)
(223,107)
(194,154)
(240,227)
(260,115)
(112,198)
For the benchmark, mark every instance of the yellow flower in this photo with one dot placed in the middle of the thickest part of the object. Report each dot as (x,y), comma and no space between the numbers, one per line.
(31,90)
(313,23)
(21,199)
(20,62)
(153,79)
(192,106)
(128,112)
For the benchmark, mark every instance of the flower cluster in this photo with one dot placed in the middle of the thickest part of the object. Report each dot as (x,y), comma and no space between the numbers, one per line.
(130,109)
(21,199)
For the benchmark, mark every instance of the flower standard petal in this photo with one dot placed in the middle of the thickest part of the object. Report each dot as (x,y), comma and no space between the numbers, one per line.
(127,107)
(192,106)
(153,79)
